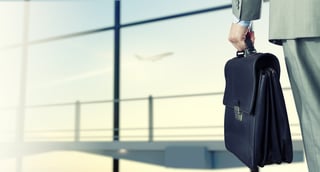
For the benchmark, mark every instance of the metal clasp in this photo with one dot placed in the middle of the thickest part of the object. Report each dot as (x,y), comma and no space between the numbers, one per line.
(237,113)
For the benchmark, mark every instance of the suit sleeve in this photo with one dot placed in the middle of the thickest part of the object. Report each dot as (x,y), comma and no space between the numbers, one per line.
(246,9)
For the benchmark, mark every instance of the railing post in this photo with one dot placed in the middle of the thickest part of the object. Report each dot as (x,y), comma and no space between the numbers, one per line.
(77,121)
(150,118)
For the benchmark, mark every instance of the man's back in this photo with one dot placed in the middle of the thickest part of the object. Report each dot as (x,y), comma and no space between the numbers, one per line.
(289,19)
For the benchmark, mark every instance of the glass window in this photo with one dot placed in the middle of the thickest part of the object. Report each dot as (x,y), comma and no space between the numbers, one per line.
(96,122)
(131,111)
(50,123)
(176,57)
(10,64)
(133,10)
(189,118)
(8,164)
(179,56)
(10,76)
(53,18)
(7,125)
(72,69)
(11,22)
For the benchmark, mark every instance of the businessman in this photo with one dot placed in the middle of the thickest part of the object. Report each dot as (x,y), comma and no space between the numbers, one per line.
(294,24)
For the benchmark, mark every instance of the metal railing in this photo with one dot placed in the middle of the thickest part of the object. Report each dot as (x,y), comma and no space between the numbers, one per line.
(77,133)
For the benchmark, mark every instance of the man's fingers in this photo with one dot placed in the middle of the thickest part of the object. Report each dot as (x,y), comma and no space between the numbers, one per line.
(237,36)
(240,45)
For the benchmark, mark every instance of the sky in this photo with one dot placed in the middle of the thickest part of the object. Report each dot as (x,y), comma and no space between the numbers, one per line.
(81,69)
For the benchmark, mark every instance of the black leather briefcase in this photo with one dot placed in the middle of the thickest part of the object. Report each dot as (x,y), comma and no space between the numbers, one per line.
(256,127)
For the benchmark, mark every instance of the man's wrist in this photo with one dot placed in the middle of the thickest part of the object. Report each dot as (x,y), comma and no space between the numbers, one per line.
(244,23)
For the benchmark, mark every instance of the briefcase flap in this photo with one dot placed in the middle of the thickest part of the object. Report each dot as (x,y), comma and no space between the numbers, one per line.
(242,77)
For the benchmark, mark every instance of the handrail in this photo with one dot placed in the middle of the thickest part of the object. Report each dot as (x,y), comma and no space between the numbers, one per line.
(69,133)
(77,133)
(145,136)
(125,99)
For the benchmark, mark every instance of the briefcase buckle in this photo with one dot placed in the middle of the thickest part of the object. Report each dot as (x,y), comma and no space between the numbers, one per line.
(237,113)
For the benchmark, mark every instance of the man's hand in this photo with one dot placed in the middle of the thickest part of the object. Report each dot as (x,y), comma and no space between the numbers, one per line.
(237,36)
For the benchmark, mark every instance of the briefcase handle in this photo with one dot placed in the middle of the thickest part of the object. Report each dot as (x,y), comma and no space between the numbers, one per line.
(250,47)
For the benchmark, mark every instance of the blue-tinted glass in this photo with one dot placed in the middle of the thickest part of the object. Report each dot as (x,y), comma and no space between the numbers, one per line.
(185,55)
(72,69)
(133,10)
(53,18)
(176,57)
